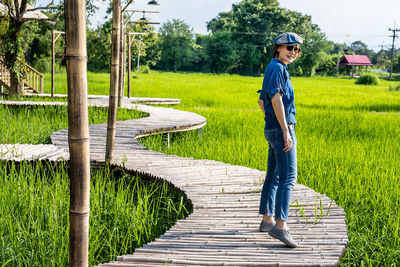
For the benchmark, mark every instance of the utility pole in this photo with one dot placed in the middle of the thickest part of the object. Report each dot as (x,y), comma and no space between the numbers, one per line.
(129,43)
(129,57)
(394,36)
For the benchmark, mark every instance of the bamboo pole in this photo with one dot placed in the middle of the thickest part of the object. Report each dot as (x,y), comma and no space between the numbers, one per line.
(123,37)
(78,132)
(114,78)
(129,65)
(138,57)
(53,61)
(122,63)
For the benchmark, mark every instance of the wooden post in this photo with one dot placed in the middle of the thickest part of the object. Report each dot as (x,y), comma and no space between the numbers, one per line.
(130,58)
(53,61)
(123,38)
(41,84)
(53,56)
(78,132)
(138,57)
(129,65)
(122,63)
(114,78)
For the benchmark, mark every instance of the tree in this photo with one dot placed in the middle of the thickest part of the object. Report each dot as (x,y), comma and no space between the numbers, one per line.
(220,52)
(37,45)
(16,14)
(99,47)
(381,59)
(20,33)
(177,45)
(396,64)
(149,51)
(360,48)
(340,48)
(254,24)
(316,54)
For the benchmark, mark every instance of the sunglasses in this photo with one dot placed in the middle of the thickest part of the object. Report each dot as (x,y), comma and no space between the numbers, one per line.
(291,47)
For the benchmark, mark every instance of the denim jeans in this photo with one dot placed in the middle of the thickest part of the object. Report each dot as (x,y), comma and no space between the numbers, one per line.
(281,175)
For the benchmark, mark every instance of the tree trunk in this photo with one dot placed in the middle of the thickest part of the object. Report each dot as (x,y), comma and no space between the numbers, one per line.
(78,132)
(15,87)
(114,78)
(14,57)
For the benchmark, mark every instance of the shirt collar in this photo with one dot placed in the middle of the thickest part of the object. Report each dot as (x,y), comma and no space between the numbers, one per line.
(279,62)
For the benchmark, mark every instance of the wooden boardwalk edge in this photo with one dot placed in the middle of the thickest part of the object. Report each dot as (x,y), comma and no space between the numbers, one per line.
(223,228)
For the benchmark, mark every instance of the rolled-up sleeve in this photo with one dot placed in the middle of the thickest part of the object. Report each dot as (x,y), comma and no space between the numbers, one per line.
(260,92)
(275,82)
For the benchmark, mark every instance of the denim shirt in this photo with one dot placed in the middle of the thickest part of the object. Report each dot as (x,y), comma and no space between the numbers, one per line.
(277,79)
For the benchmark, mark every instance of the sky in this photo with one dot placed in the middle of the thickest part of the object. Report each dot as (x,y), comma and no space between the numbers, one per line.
(343,21)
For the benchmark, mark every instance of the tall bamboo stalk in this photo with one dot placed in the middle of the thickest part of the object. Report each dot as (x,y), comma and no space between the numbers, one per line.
(122,61)
(53,61)
(114,78)
(138,55)
(78,131)
(129,64)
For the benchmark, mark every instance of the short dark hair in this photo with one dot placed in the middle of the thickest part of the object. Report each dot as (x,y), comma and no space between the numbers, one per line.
(275,54)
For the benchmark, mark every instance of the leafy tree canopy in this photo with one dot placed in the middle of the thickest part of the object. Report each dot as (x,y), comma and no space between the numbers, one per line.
(254,24)
(177,45)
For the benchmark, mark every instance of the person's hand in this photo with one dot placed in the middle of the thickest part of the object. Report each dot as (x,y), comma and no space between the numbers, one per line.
(287,139)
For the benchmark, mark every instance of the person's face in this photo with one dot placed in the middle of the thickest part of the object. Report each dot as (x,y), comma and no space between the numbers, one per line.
(288,54)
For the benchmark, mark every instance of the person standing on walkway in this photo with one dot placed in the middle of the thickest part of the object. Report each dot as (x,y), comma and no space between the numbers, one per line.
(277,103)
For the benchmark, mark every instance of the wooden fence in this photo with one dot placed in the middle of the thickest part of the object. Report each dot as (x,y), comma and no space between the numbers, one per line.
(34,80)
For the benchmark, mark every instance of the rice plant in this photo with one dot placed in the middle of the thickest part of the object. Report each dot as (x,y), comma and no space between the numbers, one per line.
(126,212)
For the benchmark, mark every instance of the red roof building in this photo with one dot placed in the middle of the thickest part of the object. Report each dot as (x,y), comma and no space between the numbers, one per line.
(355,60)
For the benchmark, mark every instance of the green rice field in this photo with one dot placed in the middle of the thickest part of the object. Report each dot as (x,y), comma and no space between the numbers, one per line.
(125,212)
(348,143)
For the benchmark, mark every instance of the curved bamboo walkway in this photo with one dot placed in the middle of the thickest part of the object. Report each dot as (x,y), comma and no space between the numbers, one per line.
(223,228)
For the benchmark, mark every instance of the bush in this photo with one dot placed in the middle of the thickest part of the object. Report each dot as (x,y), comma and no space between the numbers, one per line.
(299,71)
(368,79)
(42,65)
(143,69)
